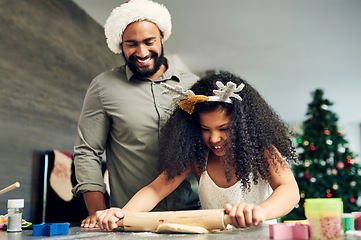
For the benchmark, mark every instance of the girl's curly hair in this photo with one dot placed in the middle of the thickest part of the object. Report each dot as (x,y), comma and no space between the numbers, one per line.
(254,128)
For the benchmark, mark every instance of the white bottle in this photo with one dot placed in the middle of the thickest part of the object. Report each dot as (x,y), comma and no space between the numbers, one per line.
(15,213)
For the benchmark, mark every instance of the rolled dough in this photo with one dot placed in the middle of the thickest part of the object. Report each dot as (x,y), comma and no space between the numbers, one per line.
(179,228)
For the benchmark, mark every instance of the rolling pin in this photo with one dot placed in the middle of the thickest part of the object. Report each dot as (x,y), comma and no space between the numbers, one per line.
(149,221)
(11,187)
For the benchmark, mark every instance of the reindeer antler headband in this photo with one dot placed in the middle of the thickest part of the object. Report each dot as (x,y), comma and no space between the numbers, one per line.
(187,99)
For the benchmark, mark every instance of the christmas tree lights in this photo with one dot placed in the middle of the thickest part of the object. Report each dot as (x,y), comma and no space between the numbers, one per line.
(326,167)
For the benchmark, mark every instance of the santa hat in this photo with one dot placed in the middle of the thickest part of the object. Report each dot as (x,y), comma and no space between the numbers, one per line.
(132,11)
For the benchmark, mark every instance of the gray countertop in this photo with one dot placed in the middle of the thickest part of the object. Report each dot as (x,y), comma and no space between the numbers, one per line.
(258,233)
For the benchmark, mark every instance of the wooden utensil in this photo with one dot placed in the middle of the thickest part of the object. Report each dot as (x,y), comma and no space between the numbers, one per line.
(11,187)
(149,221)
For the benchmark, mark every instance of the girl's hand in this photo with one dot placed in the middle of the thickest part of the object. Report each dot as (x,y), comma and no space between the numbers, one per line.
(107,219)
(245,214)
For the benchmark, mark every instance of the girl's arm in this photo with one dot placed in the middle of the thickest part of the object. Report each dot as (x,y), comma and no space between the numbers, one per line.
(283,199)
(149,196)
(144,200)
(285,194)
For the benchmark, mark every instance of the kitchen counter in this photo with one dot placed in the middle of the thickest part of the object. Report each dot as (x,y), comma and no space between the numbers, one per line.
(259,233)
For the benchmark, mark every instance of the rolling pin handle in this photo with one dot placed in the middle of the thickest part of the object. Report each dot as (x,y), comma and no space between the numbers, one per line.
(226,220)
(120,222)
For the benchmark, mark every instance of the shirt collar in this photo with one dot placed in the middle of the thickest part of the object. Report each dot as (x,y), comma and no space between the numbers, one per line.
(171,73)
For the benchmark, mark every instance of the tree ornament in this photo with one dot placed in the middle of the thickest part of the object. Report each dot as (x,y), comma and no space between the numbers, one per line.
(352,200)
(340,134)
(334,186)
(313,180)
(307,176)
(341,149)
(350,161)
(299,151)
(306,163)
(328,193)
(305,143)
(327,132)
(324,106)
(340,165)
(302,194)
(334,172)
(358,201)
(329,142)
(312,148)
(352,183)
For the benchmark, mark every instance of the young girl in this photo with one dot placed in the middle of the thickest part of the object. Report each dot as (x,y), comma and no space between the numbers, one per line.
(225,133)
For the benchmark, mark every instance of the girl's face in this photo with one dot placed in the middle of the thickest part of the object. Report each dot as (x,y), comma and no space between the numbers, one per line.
(215,130)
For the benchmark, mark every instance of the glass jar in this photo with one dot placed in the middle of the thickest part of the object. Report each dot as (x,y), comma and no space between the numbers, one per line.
(15,213)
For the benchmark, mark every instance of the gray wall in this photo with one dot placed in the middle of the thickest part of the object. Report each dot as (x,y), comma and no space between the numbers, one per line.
(286,49)
(49,52)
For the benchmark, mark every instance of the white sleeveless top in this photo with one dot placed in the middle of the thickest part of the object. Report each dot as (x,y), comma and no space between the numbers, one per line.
(214,197)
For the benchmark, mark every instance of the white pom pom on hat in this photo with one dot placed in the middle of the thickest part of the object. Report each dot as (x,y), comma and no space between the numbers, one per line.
(132,11)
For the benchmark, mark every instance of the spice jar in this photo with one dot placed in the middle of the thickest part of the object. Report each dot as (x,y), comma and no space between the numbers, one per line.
(15,213)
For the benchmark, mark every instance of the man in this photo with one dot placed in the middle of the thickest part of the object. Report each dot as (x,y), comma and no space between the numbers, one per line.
(124,110)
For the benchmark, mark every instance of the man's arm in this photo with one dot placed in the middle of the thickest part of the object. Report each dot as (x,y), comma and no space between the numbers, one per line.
(93,128)
(94,201)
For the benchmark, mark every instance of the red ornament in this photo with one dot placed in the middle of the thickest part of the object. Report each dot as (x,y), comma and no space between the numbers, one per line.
(329,195)
(312,148)
(340,165)
(309,120)
(350,161)
(352,200)
(327,132)
(307,176)
(340,134)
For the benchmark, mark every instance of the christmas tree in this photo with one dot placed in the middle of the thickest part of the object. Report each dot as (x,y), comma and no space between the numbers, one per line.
(326,167)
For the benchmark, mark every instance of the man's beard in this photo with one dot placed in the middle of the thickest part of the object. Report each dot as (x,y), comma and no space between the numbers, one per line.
(158,61)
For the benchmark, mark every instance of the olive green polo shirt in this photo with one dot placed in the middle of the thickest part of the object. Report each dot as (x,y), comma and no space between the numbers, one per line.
(122,116)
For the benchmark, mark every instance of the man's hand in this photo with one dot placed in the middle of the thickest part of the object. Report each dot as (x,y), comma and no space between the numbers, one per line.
(90,222)
(94,201)
(107,219)
(245,214)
